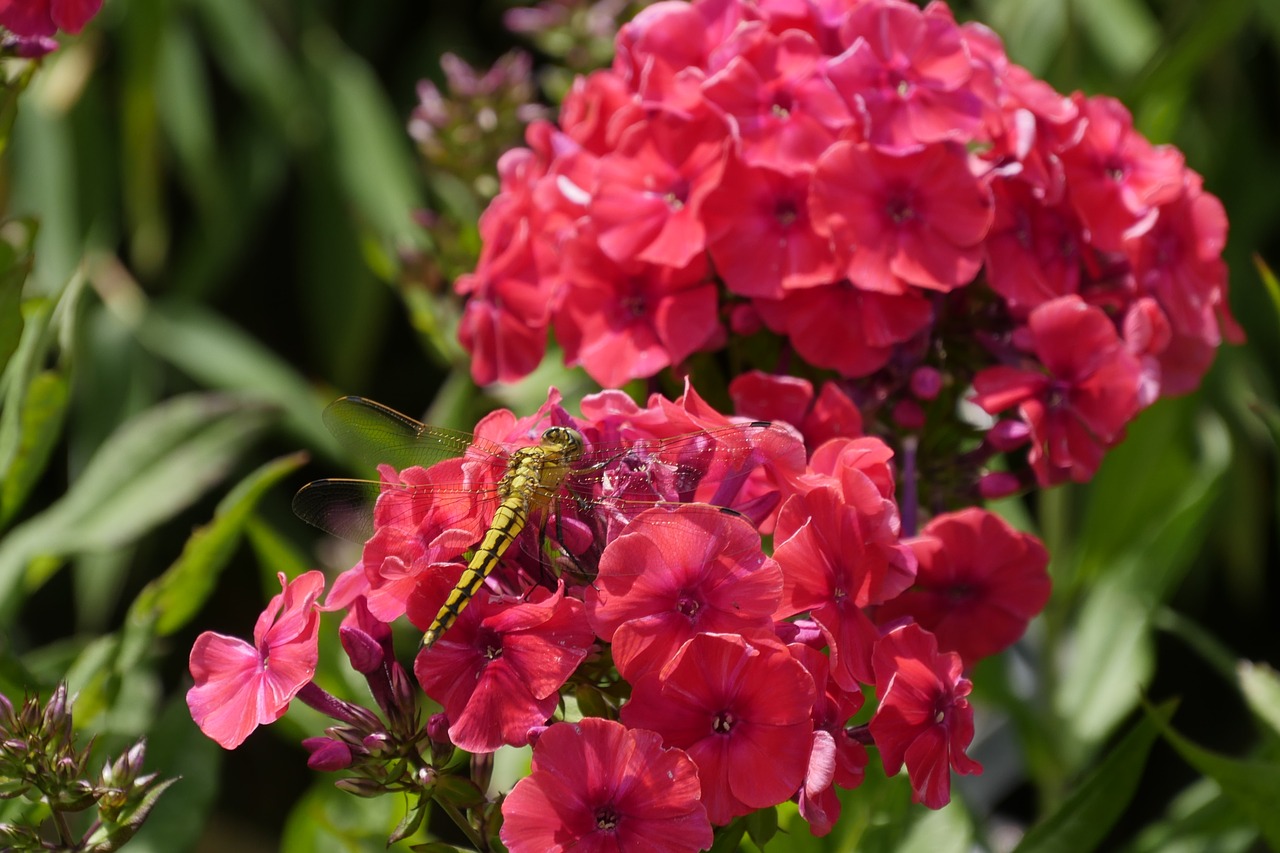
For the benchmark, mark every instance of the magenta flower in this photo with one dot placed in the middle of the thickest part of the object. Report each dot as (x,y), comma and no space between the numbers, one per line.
(1079,403)
(241,686)
(36,18)
(978,583)
(598,787)
(675,574)
(923,718)
(499,670)
(741,709)
(835,562)
(914,217)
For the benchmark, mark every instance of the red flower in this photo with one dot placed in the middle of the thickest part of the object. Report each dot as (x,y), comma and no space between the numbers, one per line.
(837,758)
(504,324)
(740,710)
(1116,179)
(1034,250)
(761,240)
(846,328)
(599,787)
(414,535)
(241,686)
(777,397)
(835,562)
(914,217)
(1079,407)
(34,18)
(923,717)
(625,320)
(909,71)
(785,110)
(498,671)
(647,204)
(674,574)
(978,583)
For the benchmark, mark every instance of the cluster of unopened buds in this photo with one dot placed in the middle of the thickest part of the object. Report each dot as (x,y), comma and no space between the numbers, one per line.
(40,763)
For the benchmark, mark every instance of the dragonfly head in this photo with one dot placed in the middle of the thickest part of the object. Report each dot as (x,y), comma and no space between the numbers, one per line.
(565,441)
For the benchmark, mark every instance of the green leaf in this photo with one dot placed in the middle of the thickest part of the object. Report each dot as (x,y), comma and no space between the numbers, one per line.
(276,553)
(1269,281)
(327,820)
(1261,687)
(1252,785)
(1084,819)
(762,825)
(218,354)
(178,594)
(41,417)
(151,468)
(13,273)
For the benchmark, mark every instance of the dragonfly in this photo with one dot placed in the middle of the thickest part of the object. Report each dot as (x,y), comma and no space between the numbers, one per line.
(557,474)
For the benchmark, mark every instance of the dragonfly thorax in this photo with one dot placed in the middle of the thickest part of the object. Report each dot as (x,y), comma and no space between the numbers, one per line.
(565,442)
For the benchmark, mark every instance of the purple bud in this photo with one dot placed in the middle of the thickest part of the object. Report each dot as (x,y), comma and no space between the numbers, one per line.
(438,729)
(327,755)
(364,652)
(926,382)
(1008,435)
(998,484)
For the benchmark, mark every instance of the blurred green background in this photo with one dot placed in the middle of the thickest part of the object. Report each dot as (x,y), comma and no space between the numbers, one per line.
(226,197)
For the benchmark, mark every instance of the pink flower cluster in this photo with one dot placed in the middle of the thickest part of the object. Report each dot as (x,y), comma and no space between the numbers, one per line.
(876,185)
(733,677)
(41,19)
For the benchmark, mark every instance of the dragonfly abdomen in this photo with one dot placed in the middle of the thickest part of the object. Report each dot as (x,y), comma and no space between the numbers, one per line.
(530,481)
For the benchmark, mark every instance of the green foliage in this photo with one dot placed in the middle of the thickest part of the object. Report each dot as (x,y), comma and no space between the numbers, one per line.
(208,233)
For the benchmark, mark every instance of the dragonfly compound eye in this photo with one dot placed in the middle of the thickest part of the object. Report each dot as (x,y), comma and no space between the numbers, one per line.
(566,440)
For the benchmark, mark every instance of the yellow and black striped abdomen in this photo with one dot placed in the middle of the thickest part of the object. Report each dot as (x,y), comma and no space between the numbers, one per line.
(533,476)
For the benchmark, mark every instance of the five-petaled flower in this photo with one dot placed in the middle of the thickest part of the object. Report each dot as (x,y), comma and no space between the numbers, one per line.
(240,686)
(596,786)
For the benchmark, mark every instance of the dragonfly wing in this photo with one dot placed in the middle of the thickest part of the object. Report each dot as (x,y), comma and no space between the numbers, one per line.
(343,508)
(378,435)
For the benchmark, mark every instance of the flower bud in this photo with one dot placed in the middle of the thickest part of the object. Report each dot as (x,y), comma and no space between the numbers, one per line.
(1008,435)
(998,484)
(364,652)
(926,382)
(908,415)
(327,755)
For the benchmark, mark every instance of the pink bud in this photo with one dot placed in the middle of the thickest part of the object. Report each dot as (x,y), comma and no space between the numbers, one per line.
(327,755)
(926,382)
(1008,435)
(908,415)
(998,484)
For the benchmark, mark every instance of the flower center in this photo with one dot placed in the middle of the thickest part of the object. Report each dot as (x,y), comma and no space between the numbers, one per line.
(688,606)
(723,722)
(606,819)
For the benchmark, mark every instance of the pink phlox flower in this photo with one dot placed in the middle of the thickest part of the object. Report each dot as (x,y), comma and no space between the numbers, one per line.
(1116,179)
(913,217)
(629,320)
(422,521)
(785,109)
(1033,252)
(834,566)
(740,709)
(837,758)
(1179,263)
(978,583)
(790,399)
(43,18)
(647,201)
(844,327)
(760,236)
(498,671)
(598,787)
(676,573)
(1079,404)
(591,109)
(909,70)
(240,686)
(923,718)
